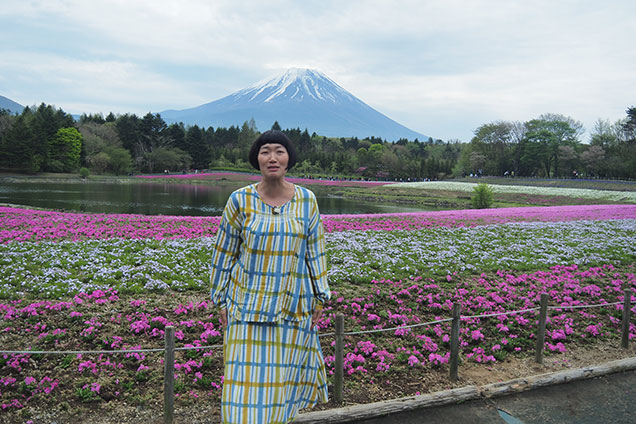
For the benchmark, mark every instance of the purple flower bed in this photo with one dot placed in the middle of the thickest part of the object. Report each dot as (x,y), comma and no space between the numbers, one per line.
(378,366)
(104,320)
(483,340)
(35,225)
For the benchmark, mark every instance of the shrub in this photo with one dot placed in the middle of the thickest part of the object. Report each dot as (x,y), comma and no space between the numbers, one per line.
(83,172)
(482,196)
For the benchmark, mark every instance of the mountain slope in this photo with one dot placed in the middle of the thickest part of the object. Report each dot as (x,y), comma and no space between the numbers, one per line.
(300,98)
(10,105)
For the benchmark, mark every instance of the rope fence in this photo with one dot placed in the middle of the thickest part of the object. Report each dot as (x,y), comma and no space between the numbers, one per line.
(104,352)
(339,334)
(583,306)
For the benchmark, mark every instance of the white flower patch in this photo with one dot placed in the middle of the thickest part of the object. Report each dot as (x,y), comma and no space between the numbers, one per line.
(361,256)
(57,269)
(610,195)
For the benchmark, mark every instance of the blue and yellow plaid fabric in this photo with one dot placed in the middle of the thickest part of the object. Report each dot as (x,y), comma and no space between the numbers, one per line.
(272,370)
(269,266)
(269,270)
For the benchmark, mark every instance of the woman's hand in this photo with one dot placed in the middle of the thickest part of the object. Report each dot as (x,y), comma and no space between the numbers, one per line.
(315,317)
(223,317)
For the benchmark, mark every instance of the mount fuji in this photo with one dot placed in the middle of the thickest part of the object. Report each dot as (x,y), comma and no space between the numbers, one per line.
(299,98)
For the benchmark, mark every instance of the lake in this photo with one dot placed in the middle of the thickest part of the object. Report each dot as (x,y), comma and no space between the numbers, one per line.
(153,198)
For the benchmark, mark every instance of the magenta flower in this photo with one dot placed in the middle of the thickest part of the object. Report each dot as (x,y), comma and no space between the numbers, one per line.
(33,225)
(382,366)
(477,335)
(437,359)
(413,360)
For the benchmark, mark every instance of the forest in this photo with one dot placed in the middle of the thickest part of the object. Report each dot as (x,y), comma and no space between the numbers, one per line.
(47,139)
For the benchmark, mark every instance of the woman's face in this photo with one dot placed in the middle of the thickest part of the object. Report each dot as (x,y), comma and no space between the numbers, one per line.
(272,160)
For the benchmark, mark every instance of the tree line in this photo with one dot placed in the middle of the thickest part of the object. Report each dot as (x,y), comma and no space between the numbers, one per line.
(46,139)
(550,146)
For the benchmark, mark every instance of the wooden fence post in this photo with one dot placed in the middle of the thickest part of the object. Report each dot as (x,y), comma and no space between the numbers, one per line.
(627,306)
(543,315)
(168,382)
(454,353)
(338,382)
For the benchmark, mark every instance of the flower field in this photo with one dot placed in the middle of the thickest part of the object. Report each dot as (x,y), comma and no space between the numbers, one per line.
(75,282)
(607,195)
(37,225)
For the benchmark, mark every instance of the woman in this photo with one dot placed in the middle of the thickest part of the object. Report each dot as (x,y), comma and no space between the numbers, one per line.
(269,279)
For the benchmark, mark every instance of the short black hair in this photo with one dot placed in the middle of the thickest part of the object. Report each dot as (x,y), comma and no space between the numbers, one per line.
(273,137)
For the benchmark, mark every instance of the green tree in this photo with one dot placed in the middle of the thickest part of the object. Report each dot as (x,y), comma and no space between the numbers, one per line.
(593,159)
(97,118)
(167,158)
(477,162)
(65,149)
(362,156)
(176,133)
(197,148)
(531,156)
(569,160)
(625,150)
(104,151)
(629,126)
(152,128)
(121,161)
(247,135)
(605,134)
(496,142)
(390,164)
(45,121)
(128,130)
(100,162)
(305,144)
(551,131)
(482,196)
(306,168)
(374,156)
(19,148)
(6,121)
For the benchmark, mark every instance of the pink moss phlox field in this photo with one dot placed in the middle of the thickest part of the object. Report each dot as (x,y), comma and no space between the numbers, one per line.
(36,225)
(18,224)
(484,340)
(254,177)
(49,324)
(108,329)
(475,217)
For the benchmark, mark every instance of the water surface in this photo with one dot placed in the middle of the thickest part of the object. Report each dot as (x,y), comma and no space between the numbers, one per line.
(154,198)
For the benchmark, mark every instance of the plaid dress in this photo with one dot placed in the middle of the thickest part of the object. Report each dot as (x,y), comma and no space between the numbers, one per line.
(269,270)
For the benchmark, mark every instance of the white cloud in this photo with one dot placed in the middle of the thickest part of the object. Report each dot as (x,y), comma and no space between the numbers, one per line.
(439,67)
(91,86)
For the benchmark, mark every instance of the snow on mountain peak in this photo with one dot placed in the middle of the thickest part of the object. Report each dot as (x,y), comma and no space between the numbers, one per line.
(296,84)
(297,98)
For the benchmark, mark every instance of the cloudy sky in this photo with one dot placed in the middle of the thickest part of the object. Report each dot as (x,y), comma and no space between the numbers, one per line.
(440,67)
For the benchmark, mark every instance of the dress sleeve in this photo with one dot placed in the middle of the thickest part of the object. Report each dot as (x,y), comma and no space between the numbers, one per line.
(317,257)
(225,252)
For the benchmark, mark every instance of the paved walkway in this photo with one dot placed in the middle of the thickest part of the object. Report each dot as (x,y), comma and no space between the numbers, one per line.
(607,399)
